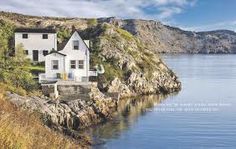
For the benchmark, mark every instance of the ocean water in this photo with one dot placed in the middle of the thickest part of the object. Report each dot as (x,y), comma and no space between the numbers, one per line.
(201,115)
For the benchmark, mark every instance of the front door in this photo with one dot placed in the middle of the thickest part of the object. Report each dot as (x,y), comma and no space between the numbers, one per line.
(35,55)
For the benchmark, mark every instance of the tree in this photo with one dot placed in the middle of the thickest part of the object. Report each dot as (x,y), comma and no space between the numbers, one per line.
(15,70)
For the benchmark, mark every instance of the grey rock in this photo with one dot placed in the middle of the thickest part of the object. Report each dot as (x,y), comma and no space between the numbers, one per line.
(74,114)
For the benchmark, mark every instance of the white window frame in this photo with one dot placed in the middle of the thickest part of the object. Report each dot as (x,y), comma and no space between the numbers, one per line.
(55,63)
(77,42)
(27,36)
(80,65)
(45,36)
(74,64)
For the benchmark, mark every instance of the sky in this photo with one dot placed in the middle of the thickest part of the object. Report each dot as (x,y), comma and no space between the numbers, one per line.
(195,15)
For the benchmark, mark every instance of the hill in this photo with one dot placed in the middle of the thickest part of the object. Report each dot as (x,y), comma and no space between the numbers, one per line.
(156,36)
(131,67)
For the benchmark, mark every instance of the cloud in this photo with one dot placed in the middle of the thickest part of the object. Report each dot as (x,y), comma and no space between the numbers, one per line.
(231,25)
(166,12)
(162,9)
(174,2)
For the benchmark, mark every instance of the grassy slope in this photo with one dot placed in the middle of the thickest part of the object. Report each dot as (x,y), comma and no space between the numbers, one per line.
(19,129)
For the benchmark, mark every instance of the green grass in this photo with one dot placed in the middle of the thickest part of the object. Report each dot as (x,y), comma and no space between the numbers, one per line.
(20,129)
(37,68)
(125,34)
(92,22)
(110,66)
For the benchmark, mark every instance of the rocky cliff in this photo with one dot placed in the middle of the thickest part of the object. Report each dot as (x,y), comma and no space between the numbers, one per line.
(131,67)
(73,114)
(161,38)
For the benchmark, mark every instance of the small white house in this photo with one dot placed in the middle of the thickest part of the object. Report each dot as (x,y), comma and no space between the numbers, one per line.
(37,43)
(70,63)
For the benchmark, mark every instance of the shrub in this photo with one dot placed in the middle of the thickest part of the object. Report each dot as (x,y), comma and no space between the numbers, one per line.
(92,22)
(6,33)
(15,71)
(20,130)
(63,34)
(110,66)
(125,34)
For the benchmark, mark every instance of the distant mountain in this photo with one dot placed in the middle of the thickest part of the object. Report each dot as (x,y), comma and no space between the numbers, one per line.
(165,39)
(156,36)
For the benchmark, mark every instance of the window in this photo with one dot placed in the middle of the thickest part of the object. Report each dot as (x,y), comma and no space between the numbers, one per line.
(76,45)
(45,36)
(24,36)
(45,52)
(26,52)
(73,64)
(55,64)
(81,64)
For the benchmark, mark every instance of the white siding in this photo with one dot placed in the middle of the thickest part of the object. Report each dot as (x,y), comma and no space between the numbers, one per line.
(64,61)
(36,42)
(51,73)
(81,54)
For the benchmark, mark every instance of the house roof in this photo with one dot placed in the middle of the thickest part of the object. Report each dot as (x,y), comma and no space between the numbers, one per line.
(35,30)
(62,45)
(54,51)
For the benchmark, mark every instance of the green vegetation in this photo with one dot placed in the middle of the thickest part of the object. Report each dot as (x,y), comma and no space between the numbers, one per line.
(37,68)
(106,26)
(14,70)
(6,34)
(125,34)
(63,34)
(114,37)
(92,22)
(111,69)
(22,130)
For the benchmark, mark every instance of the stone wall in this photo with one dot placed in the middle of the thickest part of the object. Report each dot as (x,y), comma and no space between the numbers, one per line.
(67,92)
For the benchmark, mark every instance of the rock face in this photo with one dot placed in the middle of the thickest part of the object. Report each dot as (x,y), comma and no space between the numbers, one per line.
(165,39)
(130,68)
(126,48)
(74,114)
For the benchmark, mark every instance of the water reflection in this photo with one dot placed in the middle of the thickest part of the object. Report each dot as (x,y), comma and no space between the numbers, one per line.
(129,110)
(205,79)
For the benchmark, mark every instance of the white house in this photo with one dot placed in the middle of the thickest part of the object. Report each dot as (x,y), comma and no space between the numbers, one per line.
(70,63)
(37,43)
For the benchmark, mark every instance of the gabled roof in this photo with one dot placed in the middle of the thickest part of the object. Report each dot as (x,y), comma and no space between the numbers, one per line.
(54,51)
(62,45)
(35,30)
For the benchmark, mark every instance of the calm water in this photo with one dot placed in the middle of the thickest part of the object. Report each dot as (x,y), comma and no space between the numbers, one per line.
(202,115)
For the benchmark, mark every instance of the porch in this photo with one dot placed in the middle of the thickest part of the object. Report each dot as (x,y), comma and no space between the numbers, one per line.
(67,78)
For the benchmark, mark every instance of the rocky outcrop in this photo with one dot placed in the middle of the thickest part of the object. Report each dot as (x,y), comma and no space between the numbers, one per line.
(139,85)
(161,38)
(74,114)
(130,68)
